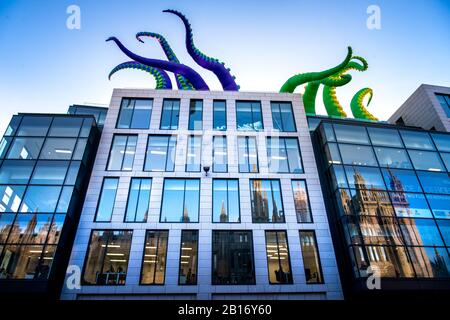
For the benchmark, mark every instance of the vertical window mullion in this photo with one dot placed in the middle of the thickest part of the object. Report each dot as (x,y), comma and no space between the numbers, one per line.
(167,152)
(287,155)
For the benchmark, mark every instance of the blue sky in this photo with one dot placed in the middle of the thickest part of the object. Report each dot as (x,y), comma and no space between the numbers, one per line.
(45,67)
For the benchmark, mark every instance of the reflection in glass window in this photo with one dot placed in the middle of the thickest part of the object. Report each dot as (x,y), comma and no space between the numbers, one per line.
(410,205)
(385,137)
(417,140)
(357,155)
(444,226)
(420,232)
(371,202)
(33,200)
(34,126)
(444,101)
(188,257)
(135,114)
(65,198)
(392,158)
(220,154)
(106,200)
(332,153)
(380,230)
(170,114)
(65,127)
(194,154)
(364,178)
(284,155)
(4,145)
(79,149)
(439,205)
(311,259)
(344,201)
(249,116)
(430,262)
(121,156)
(327,132)
(88,123)
(72,173)
(301,201)
(13,125)
(10,197)
(25,148)
(426,160)
(138,200)
(160,154)
(283,116)
(16,172)
(56,228)
(248,154)
(338,177)
(266,202)
(50,172)
(434,182)
(226,200)
(107,259)
(220,115)
(58,149)
(442,141)
(446,158)
(232,258)
(181,199)
(278,260)
(155,257)
(30,229)
(6,221)
(351,134)
(195,115)
(401,180)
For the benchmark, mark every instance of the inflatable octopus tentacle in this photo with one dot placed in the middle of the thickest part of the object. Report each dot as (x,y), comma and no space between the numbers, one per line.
(332,105)
(182,82)
(161,77)
(357,105)
(190,74)
(294,81)
(309,97)
(214,65)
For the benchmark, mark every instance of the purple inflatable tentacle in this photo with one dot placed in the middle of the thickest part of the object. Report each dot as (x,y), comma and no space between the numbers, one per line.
(223,74)
(196,80)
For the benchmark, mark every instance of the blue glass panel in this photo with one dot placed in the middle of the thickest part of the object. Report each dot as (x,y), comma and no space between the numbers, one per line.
(142,114)
(420,232)
(364,178)
(64,199)
(267,205)
(248,116)
(30,228)
(107,198)
(444,226)
(417,140)
(58,148)
(410,205)
(25,148)
(440,205)
(219,115)
(357,155)
(351,134)
(34,126)
(79,149)
(434,182)
(13,171)
(442,141)
(401,180)
(50,172)
(226,201)
(13,125)
(35,202)
(220,154)
(385,137)
(138,200)
(160,153)
(426,160)
(392,158)
(446,158)
(65,127)
(6,221)
(10,197)
(180,200)
(194,154)
(195,115)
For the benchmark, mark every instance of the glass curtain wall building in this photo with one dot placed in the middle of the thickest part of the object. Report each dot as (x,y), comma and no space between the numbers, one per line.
(390,212)
(45,162)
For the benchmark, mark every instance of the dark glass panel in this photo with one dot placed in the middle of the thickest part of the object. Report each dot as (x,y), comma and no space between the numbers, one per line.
(219,115)
(301,201)
(6,221)
(278,261)
(188,257)
(80,149)
(357,155)
(13,171)
(21,262)
(351,134)
(10,197)
(13,125)
(311,259)
(155,256)
(417,140)
(65,127)
(392,158)
(430,262)
(385,137)
(30,229)
(364,178)
(332,154)
(378,230)
(34,126)
(371,202)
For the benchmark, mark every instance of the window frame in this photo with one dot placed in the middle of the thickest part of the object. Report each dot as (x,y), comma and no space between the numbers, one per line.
(319,266)
(139,193)
(157,249)
(269,138)
(169,136)
(278,103)
(132,113)
(125,149)
(100,197)
(276,231)
(239,203)
(252,115)
(172,100)
(181,252)
(226,116)
(247,149)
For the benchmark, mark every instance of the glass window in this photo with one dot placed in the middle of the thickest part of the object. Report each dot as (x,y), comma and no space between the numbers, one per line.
(446,159)
(392,158)
(311,259)
(338,177)
(226,201)
(266,202)
(344,201)
(410,205)
(301,201)
(232,258)
(107,259)
(121,156)
(327,133)
(439,205)
(4,145)
(426,160)
(278,261)
(420,232)
(25,148)
(332,153)
(364,178)
(58,149)
(160,154)
(371,202)
(220,154)
(56,228)
(351,134)
(80,149)
(357,155)
(188,257)
(442,141)
(248,154)
(135,114)
(72,173)
(444,101)
(34,126)
(6,221)
(284,155)
(18,172)
(385,137)
(35,202)
(88,124)
(195,115)
(106,200)
(434,182)
(444,226)
(10,196)
(50,172)
(194,154)
(138,200)
(249,116)
(155,257)
(417,140)
(30,229)
(401,180)
(430,262)
(64,202)
(170,114)
(379,230)
(283,116)
(13,125)
(181,199)
(65,127)
(220,115)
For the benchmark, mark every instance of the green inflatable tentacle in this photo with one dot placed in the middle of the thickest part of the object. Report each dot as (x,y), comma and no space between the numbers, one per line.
(294,81)
(309,97)
(332,105)
(357,105)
